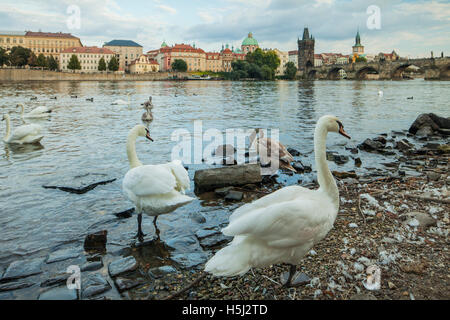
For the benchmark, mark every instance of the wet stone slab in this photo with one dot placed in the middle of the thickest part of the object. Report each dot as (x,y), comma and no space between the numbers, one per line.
(124,284)
(80,184)
(56,280)
(189,260)
(93,285)
(122,266)
(15,286)
(62,255)
(92,266)
(22,269)
(59,293)
(160,272)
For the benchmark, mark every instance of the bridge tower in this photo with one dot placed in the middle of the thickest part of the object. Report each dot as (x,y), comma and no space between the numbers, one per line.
(305,52)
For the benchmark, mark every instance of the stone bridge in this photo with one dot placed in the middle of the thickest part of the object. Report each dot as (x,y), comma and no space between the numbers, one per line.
(433,69)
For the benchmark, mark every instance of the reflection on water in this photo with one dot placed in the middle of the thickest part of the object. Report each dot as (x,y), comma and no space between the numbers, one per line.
(82,137)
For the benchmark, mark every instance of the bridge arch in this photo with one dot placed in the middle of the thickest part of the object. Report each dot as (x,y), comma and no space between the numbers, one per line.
(312,74)
(336,73)
(398,73)
(367,72)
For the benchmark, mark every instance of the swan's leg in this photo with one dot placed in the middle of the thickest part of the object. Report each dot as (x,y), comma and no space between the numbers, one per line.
(156,227)
(294,278)
(140,235)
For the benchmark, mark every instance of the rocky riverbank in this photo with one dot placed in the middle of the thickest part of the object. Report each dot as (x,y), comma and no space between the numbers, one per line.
(394,216)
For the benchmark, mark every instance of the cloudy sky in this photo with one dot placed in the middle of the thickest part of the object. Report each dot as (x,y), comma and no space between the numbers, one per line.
(411,27)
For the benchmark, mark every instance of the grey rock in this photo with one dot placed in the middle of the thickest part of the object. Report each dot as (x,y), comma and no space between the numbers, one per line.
(424,132)
(82,183)
(430,120)
(203,233)
(226,150)
(211,179)
(184,244)
(59,293)
(234,195)
(293,152)
(55,280)
(371,145)
(14,286)
(160,272)
(92,266)
(125,214)
(122,266)
(123,284)
(62,255)
(222,192)
(424,219)
(433,176)
(94,285)
(22,269)
(403,145)
(96,241)
(190,260)
(215,240)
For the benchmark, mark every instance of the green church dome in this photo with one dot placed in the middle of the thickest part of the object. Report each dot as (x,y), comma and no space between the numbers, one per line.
(250,41)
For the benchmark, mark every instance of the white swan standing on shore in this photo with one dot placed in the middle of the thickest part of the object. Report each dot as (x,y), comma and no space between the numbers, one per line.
(284,225)
(39,112)
(30,133)
(154,189)
(122,102)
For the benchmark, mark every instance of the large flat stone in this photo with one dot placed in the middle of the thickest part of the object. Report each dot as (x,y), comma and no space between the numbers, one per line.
(59,293)
(189,260)
(211,179)
(122,266)
(22,269)
(62,255)
(124,284)
(93,285)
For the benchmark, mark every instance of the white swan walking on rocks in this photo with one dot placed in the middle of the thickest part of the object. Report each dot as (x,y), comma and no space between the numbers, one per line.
(30,133)
(39,112)
(154,189)
(284,225)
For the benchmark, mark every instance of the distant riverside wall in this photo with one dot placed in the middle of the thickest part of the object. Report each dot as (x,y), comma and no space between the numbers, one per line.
(46,75)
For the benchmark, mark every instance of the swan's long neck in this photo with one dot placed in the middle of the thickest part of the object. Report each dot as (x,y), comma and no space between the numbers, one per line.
(324,176)
(131,150)
(8,128)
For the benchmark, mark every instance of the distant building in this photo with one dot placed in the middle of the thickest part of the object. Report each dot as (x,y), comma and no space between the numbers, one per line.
(89,58)
(293,57)
(47,43)
(393,56)
(318,62)
(357,48)
(196,59)
(126,51)
(144,64)
(284,58)
(9,39)
(306,51)
(249,44)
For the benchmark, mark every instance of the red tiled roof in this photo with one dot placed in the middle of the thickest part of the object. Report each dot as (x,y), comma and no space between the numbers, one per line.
(181,48)
(293,52)
(49,35)
(227,50)
(87,50)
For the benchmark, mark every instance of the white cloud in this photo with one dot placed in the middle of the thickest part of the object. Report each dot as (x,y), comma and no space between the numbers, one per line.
(167,9)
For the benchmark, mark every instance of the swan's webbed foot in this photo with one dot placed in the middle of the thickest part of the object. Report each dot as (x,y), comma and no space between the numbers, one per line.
(293,278)
(140,236)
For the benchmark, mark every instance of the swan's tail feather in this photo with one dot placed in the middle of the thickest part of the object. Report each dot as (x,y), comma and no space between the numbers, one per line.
(229,261)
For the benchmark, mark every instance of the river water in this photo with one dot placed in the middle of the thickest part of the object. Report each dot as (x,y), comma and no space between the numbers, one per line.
(89,137)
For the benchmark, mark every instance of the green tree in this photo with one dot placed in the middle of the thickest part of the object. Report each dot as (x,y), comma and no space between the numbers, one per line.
(360,59)
(270,58)
(52,64)
(254,71)
(256,57)
(290,70)
(4,58)
(113,64)
(267,73)
(21,56)
(179,65)
(41,61)
(74,63)
(102,65)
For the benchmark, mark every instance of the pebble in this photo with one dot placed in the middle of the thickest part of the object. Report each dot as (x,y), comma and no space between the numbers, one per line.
(353,225)
(234,195)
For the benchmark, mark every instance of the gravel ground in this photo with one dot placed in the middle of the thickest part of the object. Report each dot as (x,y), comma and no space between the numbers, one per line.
(374,227)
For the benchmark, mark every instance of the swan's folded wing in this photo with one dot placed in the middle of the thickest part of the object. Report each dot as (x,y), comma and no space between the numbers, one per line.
(26,130)
(284,194)
(282,225)
(149,180)
(181,175)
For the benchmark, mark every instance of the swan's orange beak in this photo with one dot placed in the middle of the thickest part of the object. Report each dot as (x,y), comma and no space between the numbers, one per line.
(342,132)
(148,137)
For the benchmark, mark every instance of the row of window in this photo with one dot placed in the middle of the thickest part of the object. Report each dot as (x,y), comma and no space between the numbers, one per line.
(38,42)
(83,55)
